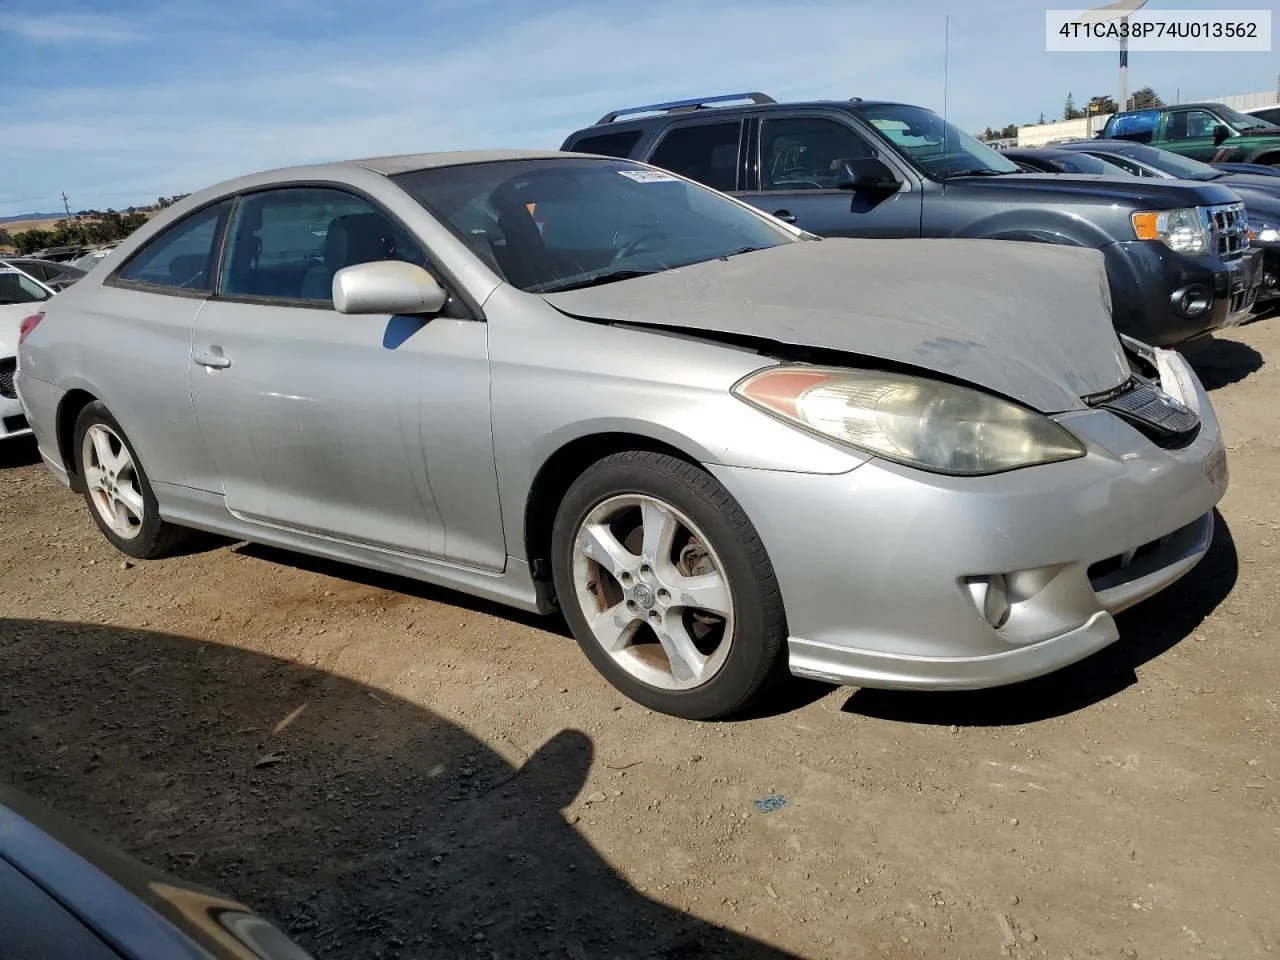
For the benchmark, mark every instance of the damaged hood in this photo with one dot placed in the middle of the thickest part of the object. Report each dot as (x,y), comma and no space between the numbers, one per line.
(1030,321)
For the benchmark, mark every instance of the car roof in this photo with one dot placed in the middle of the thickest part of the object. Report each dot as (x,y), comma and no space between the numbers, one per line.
(1200,105)
(409,162)
(629,122)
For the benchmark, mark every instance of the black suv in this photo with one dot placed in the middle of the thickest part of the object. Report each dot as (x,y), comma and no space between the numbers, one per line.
(1177,253)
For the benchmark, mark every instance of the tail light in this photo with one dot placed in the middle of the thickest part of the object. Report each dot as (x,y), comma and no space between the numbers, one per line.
(27,325)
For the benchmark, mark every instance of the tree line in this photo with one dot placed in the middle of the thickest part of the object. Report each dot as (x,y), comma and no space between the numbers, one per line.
(86,228)
(1142,99)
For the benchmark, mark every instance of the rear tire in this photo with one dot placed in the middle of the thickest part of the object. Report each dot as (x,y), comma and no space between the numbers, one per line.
(667,587)
(116,488)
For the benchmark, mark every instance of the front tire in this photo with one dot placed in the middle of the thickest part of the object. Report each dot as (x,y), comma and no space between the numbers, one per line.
(116,488)
(667,586)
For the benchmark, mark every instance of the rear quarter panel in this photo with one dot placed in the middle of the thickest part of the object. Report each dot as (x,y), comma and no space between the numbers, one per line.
(132,351)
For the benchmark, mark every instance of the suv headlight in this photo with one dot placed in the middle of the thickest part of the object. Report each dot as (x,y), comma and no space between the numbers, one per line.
(1264,231)
(923,423)
(1183,230)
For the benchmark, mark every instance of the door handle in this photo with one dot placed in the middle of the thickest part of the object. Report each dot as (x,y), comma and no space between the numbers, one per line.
(786,216)
(213,358)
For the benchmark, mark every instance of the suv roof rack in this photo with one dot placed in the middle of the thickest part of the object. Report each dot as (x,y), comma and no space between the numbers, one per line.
(679,106)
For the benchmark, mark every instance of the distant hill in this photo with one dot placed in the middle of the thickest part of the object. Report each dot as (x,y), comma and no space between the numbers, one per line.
(32,216)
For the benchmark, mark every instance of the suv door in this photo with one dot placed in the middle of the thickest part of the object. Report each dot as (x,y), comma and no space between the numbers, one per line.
(1190,133)
(795,166)
(708,151)
(329,423)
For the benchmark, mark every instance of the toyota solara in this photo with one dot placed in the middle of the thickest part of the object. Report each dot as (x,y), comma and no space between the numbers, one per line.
(723,448)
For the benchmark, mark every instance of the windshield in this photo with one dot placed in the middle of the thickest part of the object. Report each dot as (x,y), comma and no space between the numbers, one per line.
(1241,121)
(1086,163)
(17,287)
(547,225)
(1184,168)
(937,148)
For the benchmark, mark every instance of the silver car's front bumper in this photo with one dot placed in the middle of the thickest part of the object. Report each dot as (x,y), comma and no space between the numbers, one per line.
(884,569)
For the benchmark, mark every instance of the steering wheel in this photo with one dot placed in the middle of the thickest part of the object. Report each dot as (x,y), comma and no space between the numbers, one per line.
(631,246)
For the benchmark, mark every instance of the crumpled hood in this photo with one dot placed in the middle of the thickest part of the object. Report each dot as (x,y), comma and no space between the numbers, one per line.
(1030,321)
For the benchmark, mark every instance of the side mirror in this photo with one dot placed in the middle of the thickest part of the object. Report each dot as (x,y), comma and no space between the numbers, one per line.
(387,286)
(1220,133)
(867,173)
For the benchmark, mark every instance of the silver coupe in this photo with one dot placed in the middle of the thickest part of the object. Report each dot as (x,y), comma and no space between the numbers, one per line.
(724,448)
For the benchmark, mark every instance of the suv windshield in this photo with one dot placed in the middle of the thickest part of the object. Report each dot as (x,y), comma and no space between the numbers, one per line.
(17,287)
(546,225)
(937,148)
(1241,121)
(1184,168)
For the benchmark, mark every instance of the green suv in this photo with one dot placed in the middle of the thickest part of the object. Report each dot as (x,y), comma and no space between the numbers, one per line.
(1203,131)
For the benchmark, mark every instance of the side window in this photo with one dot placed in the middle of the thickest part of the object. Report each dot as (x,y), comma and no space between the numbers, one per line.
(182,256)
(1191,125)
(1125,164)
(37,270)
(618,144)
(707,153)
(806,153)
(1140,126)
(288,243)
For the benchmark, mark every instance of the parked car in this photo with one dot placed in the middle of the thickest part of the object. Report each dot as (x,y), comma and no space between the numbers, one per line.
(1256,169)
(1057,160)
(91,259)
(20,296)
(1269,115)
(54,275)
(1261,195)
(1202,131)
(722,447)
(64,895)
(872,169)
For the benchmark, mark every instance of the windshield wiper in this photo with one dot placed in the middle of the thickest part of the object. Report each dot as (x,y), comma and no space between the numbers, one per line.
(983,172)
(739,252)
(611,276)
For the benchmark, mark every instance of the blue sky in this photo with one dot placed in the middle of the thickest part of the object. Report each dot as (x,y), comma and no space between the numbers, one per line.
(118,101)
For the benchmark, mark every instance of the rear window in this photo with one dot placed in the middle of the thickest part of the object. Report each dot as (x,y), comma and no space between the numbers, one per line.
(17,287)
(706,152)
(618,144)
(1140,126)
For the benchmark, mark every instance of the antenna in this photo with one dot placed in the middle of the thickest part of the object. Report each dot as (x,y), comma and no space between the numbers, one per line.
(946,62)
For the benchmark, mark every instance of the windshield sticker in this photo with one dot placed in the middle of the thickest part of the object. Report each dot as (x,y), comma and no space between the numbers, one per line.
(649,176)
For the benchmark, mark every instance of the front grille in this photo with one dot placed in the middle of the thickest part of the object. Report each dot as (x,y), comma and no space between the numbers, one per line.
(1151,411)
(8,368)
(1229,227)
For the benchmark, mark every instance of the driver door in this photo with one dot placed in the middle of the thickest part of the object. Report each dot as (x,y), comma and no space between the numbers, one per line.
(1190,133)
(796,166)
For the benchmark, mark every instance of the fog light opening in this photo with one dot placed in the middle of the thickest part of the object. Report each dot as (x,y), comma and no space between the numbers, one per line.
(1192,302)
(991,596)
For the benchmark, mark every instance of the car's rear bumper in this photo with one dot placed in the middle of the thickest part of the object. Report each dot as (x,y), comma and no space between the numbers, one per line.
(40,402)
(885,571)
(1155,291)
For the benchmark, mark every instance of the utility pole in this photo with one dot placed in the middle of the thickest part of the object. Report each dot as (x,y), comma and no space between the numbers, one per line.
(66,204)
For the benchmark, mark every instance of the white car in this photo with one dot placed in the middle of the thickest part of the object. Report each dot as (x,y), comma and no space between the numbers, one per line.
(21,295)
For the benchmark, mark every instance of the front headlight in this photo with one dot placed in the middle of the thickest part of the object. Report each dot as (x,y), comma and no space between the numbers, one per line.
(1263,231)
(923,423)
(1182,230)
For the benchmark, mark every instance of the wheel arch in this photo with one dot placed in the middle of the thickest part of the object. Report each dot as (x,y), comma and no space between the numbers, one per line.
(556,475)
(1267,156)
(69,410)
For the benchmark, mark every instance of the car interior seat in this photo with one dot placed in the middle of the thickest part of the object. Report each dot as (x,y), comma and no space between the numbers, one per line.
(351,238)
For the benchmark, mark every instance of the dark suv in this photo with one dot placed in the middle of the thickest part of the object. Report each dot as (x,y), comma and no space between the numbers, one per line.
(1177,254)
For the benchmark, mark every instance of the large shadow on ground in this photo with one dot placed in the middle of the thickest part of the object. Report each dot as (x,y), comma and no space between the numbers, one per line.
(18,452)
(1146,631)
(1220,363)
(361,823)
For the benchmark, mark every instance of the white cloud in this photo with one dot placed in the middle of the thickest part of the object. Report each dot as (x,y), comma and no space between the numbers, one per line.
(54,27)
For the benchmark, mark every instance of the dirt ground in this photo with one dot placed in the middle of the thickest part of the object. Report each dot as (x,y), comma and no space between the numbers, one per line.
(390,770)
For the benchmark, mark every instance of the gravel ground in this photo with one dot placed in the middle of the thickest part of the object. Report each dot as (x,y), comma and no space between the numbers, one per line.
(390,770)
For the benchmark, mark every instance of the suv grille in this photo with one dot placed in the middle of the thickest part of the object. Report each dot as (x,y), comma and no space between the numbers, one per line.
(1229,227)
(7,370)
(1151,411)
